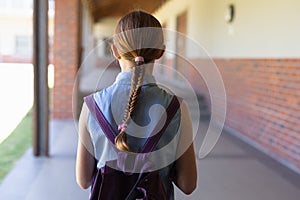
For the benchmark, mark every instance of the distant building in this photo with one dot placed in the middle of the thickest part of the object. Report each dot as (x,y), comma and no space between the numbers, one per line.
(16,30)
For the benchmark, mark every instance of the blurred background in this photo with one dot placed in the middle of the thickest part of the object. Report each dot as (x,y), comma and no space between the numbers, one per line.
(254,44)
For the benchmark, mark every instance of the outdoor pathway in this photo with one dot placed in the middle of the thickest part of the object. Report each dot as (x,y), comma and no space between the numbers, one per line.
(233,171)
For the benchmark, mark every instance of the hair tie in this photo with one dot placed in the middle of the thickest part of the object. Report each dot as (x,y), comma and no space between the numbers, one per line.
(139,59)
(122,127)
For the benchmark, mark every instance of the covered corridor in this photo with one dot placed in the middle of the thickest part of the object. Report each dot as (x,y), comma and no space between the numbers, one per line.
(258,153)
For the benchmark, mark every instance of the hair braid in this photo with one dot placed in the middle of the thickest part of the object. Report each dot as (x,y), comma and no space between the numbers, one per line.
(127,112)
(136,83)
(134,42)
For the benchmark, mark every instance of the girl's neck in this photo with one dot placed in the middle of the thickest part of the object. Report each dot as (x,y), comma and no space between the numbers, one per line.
(127,65)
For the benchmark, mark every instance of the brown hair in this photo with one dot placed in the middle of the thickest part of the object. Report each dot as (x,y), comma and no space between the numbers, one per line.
(133,38)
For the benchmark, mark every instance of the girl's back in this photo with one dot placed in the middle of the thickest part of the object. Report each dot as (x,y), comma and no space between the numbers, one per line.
(134,105)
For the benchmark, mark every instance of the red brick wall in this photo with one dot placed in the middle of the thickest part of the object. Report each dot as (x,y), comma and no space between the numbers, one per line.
(65,56)
(263,104)
(15,59)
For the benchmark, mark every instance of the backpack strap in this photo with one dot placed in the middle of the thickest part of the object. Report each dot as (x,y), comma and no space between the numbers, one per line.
(151,142)
(100,118)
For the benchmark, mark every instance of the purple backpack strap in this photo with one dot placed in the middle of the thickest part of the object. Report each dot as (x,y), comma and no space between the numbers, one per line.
(153,140)
(109,132)
(100,118)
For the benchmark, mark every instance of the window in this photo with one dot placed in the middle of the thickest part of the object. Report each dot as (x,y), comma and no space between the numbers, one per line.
(22,4)
(3,4)
(23,45)
(18,4)
(15,4)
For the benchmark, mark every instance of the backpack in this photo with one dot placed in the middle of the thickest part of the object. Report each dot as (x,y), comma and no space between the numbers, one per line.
(129,177)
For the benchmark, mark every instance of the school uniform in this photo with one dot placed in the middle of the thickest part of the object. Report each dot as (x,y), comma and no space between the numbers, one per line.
(149,110)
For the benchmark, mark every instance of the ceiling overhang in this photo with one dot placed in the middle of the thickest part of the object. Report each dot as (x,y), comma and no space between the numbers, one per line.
(100,9)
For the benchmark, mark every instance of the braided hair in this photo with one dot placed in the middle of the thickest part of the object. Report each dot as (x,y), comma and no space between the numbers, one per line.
(141,46)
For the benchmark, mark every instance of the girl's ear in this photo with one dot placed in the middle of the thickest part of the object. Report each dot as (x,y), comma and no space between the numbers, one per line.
(161,52)
(115,52)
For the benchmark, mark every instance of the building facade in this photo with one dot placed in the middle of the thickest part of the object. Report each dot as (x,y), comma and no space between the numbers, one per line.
(16,42)
(258,56)
(254,45)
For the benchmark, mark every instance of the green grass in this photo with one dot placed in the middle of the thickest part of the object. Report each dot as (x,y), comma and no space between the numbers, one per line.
(15,145)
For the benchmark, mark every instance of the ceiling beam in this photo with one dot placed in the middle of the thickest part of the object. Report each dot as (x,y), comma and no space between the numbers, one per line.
(116,8)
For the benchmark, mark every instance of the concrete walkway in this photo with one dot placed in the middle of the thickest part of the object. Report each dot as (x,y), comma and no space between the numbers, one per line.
(233,171)
(50,178)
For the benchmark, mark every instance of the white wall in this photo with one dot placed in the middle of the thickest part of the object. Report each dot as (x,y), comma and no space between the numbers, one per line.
(16,20)
(167,16)
(12,27)
(261,28)
(106,27)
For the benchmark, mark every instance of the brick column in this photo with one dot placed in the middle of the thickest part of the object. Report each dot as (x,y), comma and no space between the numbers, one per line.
(66,56)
